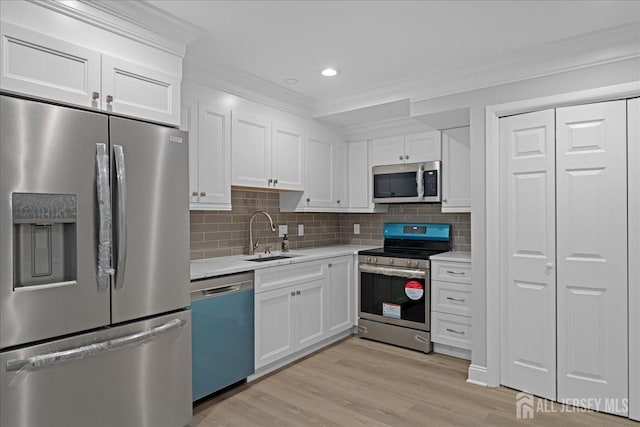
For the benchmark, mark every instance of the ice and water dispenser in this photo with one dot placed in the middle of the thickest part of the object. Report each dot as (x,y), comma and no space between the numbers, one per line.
(44,239)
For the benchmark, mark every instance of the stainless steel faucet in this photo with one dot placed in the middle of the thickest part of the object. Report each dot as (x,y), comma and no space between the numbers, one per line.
(252,245)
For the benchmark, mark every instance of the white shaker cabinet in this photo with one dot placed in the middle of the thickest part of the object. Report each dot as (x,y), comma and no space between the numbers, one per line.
(39,65)
(456,164)
(274,326)
(287,157)
(420,147)
(209,128)
(340,294)
(360,180)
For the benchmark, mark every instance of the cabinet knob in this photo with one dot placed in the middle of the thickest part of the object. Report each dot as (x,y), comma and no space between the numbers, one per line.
(330,265)
(95,96)
(293,294)
(400,157)
(275,181)
(202,193)
(109,99)
(406,157)
(297,292)
(338,201)
(269,181)
(308,200)
(194,194)
(444,200)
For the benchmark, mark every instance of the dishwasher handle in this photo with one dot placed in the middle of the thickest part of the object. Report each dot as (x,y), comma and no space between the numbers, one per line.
(220,290)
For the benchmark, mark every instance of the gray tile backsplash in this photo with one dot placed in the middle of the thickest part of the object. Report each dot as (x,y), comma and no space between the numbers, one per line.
(222,233)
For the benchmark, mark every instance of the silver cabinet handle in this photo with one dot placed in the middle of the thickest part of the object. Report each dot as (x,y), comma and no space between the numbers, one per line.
(194,194)
(121,180)
(275,182)
(202,193)
(293,294)
(406,157)
(59,357)
(95,96)
(455,331)
(104,211)
(400,157)
(109,99)
(456,299)
(455,272)
(297,292)
(269,181)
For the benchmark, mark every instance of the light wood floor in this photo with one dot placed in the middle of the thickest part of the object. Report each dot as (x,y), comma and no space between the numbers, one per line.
(364,383)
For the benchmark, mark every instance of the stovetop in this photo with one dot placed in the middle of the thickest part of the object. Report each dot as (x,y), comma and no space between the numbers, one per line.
(401,253)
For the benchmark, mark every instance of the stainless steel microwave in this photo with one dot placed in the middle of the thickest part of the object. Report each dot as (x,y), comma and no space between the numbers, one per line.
(407,183)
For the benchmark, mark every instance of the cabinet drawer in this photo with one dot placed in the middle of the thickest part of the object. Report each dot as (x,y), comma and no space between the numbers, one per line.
(451,271)
(451,330)
(451,298)
(287,275)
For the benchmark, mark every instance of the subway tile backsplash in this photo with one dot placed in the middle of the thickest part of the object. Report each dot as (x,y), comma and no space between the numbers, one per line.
(222,233)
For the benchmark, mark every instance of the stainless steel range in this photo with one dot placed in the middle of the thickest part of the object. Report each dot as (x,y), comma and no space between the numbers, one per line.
(395,284)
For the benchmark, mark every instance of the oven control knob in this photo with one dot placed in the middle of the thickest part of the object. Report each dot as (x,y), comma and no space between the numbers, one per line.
(391,261)
(409,263)
(368,259)
(375,260)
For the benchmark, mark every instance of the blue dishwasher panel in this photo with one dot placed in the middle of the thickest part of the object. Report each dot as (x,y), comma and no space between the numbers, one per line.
(223,341)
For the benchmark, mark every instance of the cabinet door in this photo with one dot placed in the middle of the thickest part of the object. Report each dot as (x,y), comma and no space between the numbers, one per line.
(251,151)
(319,178)
(358,175)
(528,244)
(340,175)
(591,161)
(422,147)
(274,325)
(310,302)
(287,158)
(214,156)
(340,298)
(456,163)
(189,123)
(38,65)
(633,144)
(140,91)
(387,151)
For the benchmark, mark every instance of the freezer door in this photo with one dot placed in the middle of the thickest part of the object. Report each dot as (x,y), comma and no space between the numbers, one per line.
(49,221)
(150,184)
(141,378)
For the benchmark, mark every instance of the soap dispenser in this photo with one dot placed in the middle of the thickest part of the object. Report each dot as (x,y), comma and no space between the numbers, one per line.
(285,244)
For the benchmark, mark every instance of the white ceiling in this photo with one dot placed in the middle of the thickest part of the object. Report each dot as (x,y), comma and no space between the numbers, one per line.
(376,43)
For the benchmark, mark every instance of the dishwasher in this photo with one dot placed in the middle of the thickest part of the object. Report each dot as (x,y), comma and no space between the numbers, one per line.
(222,332)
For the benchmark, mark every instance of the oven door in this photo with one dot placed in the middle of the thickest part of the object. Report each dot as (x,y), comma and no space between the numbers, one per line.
(393,295)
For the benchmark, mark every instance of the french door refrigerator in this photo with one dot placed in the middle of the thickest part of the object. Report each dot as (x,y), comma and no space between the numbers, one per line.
(94,270)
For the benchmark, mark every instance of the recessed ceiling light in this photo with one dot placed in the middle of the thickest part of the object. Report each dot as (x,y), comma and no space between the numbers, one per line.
(329,72)
(290,81)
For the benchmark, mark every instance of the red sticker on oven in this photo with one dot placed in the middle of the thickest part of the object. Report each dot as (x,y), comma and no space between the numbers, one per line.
(414,290)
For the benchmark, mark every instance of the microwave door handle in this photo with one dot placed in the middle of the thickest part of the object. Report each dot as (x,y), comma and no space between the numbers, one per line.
(121,179)
(420,181)
(103,193)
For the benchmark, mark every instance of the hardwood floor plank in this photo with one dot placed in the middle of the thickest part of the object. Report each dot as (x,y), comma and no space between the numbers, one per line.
(358,383)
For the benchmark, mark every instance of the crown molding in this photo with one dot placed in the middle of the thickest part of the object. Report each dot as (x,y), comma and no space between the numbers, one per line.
(136,20)
(381,129)
(247,85)
(609,45)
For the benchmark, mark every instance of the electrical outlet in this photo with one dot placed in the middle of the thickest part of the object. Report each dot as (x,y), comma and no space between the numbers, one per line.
(282,230)
(300,229)
(356,228)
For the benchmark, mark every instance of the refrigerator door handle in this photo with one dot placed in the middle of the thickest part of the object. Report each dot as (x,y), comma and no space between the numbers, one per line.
(58,357)
(103,193)
(121,179)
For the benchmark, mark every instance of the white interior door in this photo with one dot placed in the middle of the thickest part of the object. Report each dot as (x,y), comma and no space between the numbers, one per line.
(633,143)
(528,287)
(591,153)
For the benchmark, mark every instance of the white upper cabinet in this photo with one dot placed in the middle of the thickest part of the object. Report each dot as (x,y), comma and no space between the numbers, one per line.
(209,128)
(359,194)
(39,65)
(340,175)
(456,163)
(319,184)
(287,157)
(267,154)
(251,151)
(421,147)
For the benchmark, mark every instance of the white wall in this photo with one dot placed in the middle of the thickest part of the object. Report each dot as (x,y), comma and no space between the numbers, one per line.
(477,100)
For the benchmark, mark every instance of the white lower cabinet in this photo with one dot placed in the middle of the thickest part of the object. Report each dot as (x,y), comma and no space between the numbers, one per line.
(299,305)
(451,307)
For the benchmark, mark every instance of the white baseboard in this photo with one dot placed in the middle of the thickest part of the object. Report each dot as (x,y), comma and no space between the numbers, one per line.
(477,375)
(452,351)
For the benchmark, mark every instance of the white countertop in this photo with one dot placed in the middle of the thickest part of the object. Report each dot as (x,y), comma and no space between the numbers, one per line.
(456,256)
(211,267)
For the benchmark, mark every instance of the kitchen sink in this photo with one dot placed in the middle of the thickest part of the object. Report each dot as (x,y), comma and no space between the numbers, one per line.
(270,258)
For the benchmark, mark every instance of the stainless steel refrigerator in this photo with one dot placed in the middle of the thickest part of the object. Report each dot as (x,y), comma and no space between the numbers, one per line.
(94,270)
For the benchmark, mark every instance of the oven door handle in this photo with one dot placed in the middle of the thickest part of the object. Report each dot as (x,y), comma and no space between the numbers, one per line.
(392,271)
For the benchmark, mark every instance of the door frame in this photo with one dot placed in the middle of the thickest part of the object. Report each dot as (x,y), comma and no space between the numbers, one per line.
(492,197)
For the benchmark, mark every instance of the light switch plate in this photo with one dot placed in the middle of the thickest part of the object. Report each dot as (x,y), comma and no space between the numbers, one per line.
(356,228)
(300,229)
(282,230)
